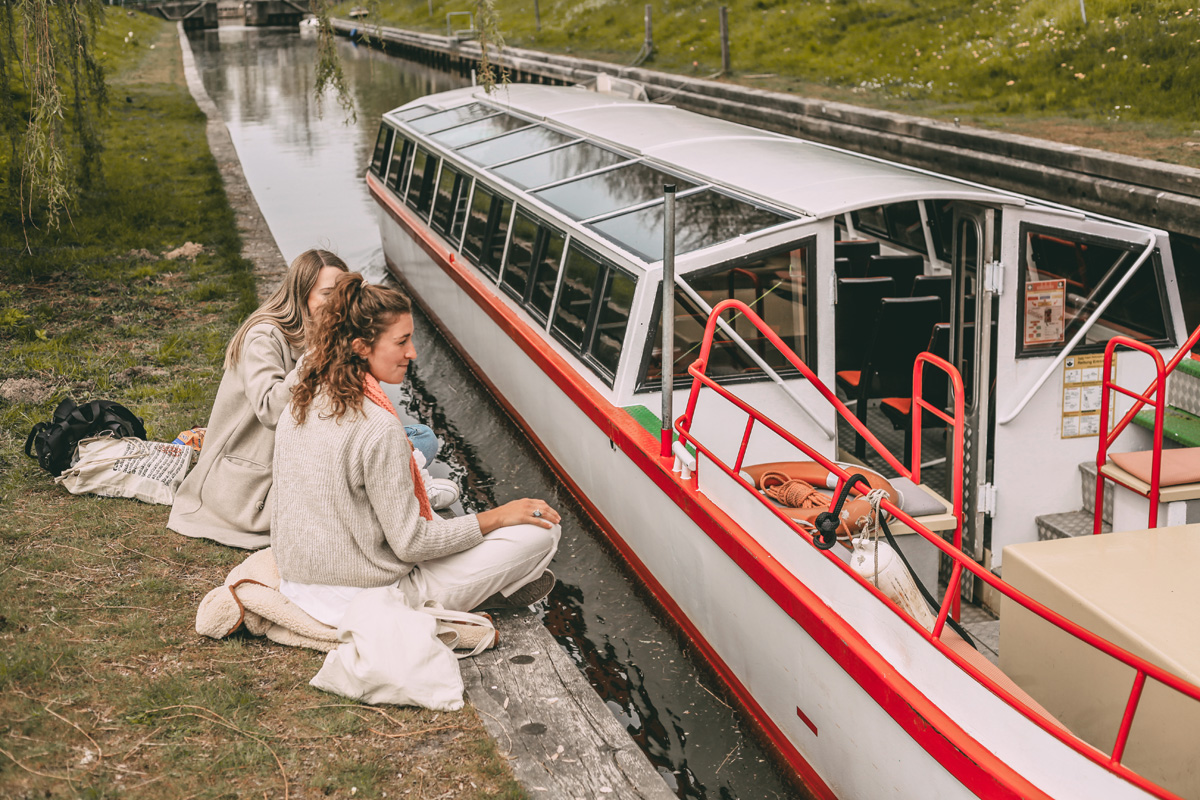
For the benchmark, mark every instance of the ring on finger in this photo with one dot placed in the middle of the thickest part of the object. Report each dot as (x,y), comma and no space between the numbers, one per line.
(537,512)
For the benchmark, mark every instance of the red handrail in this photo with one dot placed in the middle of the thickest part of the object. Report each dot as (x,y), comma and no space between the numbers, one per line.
(1159,401)
(957,422)
(1143,669)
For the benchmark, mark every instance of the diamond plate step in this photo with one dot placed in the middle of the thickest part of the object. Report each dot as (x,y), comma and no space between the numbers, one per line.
(1066,525)
(1183,387)
(1087,474)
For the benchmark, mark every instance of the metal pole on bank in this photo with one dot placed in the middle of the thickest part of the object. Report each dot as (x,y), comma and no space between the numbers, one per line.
(725,63)
(668,319)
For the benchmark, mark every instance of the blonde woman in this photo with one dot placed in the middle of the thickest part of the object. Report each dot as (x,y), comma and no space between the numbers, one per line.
(350,511)
(227,496)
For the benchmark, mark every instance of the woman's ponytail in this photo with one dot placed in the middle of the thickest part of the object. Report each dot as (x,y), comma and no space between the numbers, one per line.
(354,309)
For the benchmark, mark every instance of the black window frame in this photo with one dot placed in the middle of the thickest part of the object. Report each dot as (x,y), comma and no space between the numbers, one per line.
(482,261)
(381,157)
(461,180)
(603,281)
(683,380)
(422,201)
(543,236)
(1134,248)
(397,175)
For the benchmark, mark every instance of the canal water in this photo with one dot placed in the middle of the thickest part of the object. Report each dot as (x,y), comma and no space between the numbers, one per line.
(305,163)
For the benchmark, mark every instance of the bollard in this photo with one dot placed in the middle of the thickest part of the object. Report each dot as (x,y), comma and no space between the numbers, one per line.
(648,45)
(725,70)
(537,17)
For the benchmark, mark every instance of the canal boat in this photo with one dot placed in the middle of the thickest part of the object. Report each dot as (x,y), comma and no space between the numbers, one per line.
(817,304)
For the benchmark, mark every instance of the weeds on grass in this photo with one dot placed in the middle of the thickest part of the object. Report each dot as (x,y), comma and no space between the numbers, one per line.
(105,688)
(1000,59)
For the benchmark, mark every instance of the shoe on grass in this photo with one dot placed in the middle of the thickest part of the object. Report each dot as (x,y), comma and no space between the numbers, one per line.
(524,597)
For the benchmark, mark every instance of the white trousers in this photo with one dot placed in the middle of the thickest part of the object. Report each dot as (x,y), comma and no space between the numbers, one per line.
(506,559)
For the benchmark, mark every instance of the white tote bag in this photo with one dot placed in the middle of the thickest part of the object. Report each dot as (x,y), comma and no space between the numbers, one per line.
(128,467)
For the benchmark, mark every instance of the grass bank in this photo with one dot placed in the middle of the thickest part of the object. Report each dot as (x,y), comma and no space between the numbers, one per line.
(105,689)
(1125,81)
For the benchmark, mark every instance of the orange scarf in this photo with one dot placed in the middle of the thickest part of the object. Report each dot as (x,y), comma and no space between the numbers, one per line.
(374,392)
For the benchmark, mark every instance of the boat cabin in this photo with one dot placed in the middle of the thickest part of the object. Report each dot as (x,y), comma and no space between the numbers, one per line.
(556,195)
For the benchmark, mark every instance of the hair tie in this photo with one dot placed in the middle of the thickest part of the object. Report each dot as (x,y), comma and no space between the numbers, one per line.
(365,283)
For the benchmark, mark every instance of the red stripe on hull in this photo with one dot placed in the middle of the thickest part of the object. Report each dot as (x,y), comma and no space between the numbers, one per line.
(973,765)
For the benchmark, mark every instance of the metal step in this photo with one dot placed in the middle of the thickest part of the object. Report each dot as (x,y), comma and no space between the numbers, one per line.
(1183,387)
(1087,474)
(1066,525)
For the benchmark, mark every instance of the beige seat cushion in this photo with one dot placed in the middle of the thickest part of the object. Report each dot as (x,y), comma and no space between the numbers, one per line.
(1179,465)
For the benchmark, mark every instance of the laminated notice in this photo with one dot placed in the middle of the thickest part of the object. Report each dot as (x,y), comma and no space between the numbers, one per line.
(1083,377)
(1045,304)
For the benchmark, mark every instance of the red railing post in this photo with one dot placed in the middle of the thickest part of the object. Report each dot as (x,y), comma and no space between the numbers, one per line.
(1159,402)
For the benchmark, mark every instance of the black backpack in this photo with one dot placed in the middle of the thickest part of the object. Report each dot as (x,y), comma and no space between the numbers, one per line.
(53,443)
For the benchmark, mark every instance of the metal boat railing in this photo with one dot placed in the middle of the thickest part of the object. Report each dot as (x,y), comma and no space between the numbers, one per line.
(1159,389)
(1143,669)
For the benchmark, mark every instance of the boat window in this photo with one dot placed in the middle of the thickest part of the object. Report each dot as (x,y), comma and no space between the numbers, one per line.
(573,313)
(480,130)
(420,184)
(513,145)
(1066,275)
(450,202)
(383,143)
(775,285)
(413,113)
(593,310)
(402,152)
(487,227)
(897,222)
(612,320)
(941,218)
(520,253)
(545,272)
(701,220)
(557,165)
(611,190)
(455,116)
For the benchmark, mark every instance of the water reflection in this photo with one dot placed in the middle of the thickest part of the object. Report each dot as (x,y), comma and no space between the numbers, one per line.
(307,173)
(301,158)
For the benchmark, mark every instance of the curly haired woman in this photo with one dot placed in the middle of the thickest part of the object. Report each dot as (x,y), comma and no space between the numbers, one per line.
(349,510)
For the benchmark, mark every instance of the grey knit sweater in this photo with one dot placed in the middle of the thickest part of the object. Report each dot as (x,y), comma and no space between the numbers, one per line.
(343,508)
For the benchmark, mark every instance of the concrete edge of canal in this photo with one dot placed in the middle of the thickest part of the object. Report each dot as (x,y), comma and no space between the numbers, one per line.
(1140,190)
(550,726)
(258,243)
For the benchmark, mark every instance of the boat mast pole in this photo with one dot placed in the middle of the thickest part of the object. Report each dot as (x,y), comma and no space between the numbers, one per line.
(668,318)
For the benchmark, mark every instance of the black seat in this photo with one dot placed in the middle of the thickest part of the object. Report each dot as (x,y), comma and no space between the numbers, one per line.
(937,285)
(902,269)
(902,329)
(842,267)
(854,318)
(935,390)
(859,251)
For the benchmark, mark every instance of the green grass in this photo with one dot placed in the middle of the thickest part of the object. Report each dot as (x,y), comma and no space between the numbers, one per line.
(105,688)
(1136,61)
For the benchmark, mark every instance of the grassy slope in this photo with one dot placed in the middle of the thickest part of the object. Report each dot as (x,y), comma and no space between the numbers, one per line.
(1127,81)
(105,688)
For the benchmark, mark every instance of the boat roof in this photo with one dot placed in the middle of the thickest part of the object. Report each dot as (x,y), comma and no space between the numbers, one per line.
(805,178)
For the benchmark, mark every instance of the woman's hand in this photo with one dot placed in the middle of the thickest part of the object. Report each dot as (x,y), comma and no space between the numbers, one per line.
(519,512)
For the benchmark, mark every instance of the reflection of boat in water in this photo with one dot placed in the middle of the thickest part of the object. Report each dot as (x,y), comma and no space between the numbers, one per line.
(530,225)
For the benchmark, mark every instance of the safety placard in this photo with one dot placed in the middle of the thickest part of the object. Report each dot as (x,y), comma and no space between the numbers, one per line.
(1045,302)
(1082,388)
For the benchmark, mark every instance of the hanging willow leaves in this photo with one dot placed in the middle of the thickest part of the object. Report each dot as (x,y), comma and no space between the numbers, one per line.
(487,24)
(52,92)
(330,74)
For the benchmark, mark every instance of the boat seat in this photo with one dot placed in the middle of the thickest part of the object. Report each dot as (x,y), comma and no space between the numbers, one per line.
(935,390)
(937,285)
(859,251)
(1179,475)
(902,330)
(857,302)
(842,268)
(902,269)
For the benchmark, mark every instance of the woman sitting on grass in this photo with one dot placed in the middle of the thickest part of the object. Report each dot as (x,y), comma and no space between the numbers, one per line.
(350,511)
(227,496)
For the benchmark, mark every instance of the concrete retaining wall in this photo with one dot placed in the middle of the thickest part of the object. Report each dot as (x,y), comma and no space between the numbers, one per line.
(1135,189)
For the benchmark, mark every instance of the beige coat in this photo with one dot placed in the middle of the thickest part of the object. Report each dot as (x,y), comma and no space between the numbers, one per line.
(227,497)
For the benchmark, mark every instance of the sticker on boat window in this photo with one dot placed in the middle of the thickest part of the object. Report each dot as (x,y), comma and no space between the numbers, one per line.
(1082,389)
(1045,302)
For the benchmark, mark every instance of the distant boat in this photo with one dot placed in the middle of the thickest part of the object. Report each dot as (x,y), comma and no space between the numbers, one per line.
(529,223)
